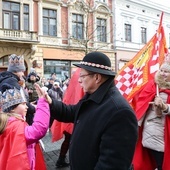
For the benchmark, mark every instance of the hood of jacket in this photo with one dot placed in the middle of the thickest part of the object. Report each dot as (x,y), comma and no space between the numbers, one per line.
(8,80)
(6,74)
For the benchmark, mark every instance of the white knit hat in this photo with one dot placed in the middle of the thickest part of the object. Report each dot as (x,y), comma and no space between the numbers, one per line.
(56,83)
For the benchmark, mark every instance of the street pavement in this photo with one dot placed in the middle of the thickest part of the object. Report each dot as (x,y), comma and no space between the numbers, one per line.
(51,152)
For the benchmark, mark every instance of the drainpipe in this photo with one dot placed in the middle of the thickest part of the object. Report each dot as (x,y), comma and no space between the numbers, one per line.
(114,35)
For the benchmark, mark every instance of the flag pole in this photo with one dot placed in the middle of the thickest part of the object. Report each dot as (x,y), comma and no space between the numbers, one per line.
(160,25)
(157,90)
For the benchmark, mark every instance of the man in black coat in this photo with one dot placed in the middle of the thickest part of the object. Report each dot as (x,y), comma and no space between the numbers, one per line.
(14,77)
(105,126)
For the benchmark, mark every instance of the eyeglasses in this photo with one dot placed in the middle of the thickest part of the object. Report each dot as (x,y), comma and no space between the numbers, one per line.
(84,75)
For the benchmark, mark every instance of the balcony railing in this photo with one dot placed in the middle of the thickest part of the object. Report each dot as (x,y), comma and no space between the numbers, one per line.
(18,35)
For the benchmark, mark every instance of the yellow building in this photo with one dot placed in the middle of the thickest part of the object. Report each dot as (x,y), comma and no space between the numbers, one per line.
(54,34)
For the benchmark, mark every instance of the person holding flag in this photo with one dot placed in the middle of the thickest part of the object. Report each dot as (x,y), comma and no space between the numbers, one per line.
(145,85)
(153,113)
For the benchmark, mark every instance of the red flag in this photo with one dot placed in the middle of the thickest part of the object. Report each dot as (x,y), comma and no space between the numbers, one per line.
(72,95)
(136,73)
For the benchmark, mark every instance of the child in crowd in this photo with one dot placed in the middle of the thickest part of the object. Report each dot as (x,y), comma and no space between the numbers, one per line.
(18,148)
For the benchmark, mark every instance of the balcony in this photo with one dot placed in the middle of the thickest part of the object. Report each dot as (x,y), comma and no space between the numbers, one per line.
(17,35)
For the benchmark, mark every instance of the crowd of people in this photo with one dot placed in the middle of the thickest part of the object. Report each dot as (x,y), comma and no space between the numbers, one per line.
(100,128)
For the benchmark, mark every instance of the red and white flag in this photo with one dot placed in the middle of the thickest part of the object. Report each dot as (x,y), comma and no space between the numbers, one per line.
(142,67)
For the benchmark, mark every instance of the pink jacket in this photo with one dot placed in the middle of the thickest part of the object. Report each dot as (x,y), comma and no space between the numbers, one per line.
(38,129)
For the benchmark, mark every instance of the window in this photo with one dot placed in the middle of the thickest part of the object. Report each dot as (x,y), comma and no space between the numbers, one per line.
(11,15)
(26,17)
(143,35)
(121,63)
(49,22)
(101,30)
(4,61)
(77,26)
(128,32)
(101,0)
(55,66)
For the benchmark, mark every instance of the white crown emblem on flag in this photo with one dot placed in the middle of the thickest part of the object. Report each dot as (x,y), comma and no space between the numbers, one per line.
(11,97)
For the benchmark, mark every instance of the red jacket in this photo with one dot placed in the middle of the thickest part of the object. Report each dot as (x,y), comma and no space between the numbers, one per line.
(13,149)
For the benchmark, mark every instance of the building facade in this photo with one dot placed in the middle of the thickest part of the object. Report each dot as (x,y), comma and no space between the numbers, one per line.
(54,34)
(135,23)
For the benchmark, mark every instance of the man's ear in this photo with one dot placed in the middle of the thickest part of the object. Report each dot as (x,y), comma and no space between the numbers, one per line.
(98,78)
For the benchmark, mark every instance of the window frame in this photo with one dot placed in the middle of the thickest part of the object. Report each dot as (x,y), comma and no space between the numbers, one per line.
(128,32)
(78,33)
(50,32)
(101,37)
(12,13)
(26,13)
(143,35)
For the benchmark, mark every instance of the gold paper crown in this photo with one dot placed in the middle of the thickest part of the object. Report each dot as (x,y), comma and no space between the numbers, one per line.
(11,97)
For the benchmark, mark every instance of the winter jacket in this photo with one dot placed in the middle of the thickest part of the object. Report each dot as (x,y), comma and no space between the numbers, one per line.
(23,137)
(105,129)
(56,93)
(142,159)
(9,80)
(153,128)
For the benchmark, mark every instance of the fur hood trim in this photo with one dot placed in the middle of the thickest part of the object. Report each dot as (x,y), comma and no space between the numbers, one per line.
(161,82)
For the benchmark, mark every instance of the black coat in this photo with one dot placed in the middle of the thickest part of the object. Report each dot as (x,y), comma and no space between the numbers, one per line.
(9,80)
(105,130)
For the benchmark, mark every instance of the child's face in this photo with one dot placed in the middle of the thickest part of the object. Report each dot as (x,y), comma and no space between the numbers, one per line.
(21,109)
